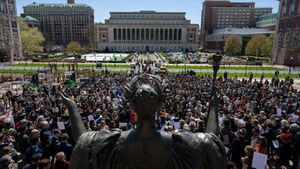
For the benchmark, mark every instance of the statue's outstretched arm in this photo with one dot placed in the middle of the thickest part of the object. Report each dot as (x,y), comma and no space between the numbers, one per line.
(77,125)
(212,125)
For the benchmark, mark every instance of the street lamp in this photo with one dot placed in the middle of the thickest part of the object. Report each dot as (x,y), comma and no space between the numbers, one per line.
(185,59)
(291,64)
(104,60)
(246,67)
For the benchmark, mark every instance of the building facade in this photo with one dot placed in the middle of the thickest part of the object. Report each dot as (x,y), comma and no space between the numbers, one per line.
(10,41)
(267,21)
(63,23)
(147,31)
(216,40)
(286,48)
(32,22)
(225,14)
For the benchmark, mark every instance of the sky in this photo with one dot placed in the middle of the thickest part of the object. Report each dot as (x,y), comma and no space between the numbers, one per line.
(103,7)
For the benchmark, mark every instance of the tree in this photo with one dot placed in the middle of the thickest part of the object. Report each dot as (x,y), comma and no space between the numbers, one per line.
(255,45)
(32,39)
(268,46)
(233,44)
(74,47)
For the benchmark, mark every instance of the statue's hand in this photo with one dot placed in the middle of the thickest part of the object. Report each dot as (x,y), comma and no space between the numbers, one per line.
(67,101)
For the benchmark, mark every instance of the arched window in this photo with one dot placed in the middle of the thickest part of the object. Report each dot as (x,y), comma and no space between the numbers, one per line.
(280,40)
(287,39)
(295,39)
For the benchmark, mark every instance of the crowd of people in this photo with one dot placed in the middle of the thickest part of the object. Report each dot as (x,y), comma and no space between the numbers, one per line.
(254,116)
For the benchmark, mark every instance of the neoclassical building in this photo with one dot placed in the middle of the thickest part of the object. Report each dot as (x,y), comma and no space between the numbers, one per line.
(147,31)
(10,41)
(286,50)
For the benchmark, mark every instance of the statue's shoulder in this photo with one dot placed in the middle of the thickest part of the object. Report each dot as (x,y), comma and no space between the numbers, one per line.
(95,137)
(205,145)
(90,143)
(197,139)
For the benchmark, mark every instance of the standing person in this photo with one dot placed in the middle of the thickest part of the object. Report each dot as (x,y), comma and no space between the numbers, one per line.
(247,160)
(261,146)
(6,162)
(285,151)
(34,162)
(45,137)
(54,141)
(33,149)
(236,148)
(294,129)
(23,142)
(65,146)
(60,161)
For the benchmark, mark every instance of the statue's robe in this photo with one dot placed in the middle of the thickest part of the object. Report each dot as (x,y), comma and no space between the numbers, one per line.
(125,150)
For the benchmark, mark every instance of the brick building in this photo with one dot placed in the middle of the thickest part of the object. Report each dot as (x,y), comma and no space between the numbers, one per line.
(225,14)
(62,23)
(10,41)
(286,50)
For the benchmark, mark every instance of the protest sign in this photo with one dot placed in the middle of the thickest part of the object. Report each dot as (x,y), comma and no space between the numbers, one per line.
(61,125)
(259,160)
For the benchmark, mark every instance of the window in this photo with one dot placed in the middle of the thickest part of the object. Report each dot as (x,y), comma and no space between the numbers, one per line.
(124,34)
(295,39)
(166,34)
(287,39)
(280,40)
(152,34)
(161,34)
(147,34)
(156,34)
(138,34)
(179,34)
(115,34)
(133,34)
(142,34)
(128,34)
(292,8)
(170,34)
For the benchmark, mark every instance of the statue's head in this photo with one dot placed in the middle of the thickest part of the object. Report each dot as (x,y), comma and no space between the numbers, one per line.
(145,95)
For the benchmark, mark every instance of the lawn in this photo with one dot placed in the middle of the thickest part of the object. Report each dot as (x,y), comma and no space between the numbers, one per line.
(222,67)
(18,71)
(111,65)
(255,75)
(80,65)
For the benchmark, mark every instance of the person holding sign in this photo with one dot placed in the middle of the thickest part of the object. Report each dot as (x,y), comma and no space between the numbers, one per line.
(285,151)
(247,160)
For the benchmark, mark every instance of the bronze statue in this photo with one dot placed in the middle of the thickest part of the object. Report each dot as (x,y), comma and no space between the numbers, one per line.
(144,147)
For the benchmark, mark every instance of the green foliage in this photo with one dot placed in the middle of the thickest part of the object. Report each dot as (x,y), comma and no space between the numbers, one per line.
(32,39)
(233,44)
(74,47)
(268,45)
(255,45)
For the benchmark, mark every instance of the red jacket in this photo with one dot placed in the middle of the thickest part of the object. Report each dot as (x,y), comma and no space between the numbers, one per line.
(61,165)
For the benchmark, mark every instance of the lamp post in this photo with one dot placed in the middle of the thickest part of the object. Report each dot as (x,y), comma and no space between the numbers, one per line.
(104,60)
(246,67)
(185,59)
(291,61)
